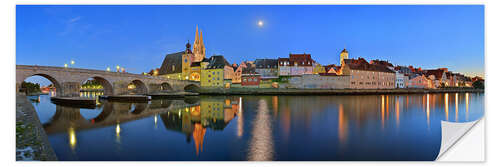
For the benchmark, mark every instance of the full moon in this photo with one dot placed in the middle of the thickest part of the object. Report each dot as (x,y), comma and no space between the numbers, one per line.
(260,23)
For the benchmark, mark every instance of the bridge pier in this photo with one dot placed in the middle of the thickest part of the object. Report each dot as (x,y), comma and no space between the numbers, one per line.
(153,88)
(70,89)
(120,88)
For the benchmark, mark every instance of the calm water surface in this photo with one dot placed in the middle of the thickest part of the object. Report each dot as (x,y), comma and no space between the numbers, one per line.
(374,127)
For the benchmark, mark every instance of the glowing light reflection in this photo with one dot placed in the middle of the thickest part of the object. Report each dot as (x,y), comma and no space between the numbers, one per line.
(467,106)
(446,105)
(118,130)
(397,112)
(261,144)
(456,107)
(382,111)
(342,125)
(428,111)
(240,120)
(72,138)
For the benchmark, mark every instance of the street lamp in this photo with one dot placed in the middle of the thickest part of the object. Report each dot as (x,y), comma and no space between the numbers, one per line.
(65,65)
(108,69)
(72,62)
(117,68)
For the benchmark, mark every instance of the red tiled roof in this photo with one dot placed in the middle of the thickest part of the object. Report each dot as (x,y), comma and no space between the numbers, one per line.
(301,59)
(362,64)
(438,73)
(381,62)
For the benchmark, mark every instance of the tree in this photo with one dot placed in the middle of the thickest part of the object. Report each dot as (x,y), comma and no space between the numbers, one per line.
(29,87)
(478,84)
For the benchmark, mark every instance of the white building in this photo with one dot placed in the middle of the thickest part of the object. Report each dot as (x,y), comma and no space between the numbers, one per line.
(400,80)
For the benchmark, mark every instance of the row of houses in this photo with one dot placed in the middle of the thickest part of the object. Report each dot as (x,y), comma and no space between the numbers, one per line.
(301,71)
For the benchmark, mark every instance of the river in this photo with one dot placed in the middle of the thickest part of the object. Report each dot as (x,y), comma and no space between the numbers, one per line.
(367,127)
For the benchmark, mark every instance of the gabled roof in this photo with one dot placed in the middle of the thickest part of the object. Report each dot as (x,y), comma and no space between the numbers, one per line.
(249,70)
(283,59)
(335,67)
(172,63)
(414,76)
(266,63)
(301,59)
(438,73)
(381,62)
(362,64)
(217,61)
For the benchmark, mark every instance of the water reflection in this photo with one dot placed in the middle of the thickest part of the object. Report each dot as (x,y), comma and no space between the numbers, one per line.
(261,143)
(343,125)
(91,94)
(72,138)
(240,119)
(446,105)
(467,106)
(379,127)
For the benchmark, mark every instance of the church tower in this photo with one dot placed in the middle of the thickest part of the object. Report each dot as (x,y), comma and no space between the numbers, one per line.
(198,47)
(343,55)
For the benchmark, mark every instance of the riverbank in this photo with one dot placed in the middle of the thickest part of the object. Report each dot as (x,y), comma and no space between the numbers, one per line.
(31,141)
(278,91)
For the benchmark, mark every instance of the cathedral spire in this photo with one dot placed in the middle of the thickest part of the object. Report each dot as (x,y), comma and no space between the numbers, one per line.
(201,39)
(198,46)
(196,36)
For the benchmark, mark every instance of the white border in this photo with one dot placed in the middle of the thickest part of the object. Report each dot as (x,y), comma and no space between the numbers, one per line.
(8,68)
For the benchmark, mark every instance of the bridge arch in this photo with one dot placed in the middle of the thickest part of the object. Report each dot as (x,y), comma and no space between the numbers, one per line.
(140,87)
(192,88)
(165,86)
(138,108)
(107,86)
(107,109)
(52,79)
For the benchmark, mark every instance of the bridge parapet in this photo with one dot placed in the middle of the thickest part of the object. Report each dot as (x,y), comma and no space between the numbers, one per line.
(68,80)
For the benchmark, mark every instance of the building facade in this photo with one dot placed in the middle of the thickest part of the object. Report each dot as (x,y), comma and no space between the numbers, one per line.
(401,80)
(267,68)
(317,81)
(250,77)
(237,73)
(368,76)
(419,81)
(213,70)
(283,67)
(301,64)
(172,66)
(343,55)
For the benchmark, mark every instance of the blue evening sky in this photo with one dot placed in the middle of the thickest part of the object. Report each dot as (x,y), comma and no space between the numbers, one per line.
(138,37)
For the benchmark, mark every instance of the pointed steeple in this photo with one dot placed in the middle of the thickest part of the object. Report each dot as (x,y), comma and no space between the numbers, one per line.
(201,39)
(196,36)
(198,46)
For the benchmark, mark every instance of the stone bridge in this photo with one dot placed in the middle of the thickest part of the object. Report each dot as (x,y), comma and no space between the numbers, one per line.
(69,80)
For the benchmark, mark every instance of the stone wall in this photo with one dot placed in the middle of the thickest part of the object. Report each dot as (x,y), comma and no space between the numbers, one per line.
(315,81)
